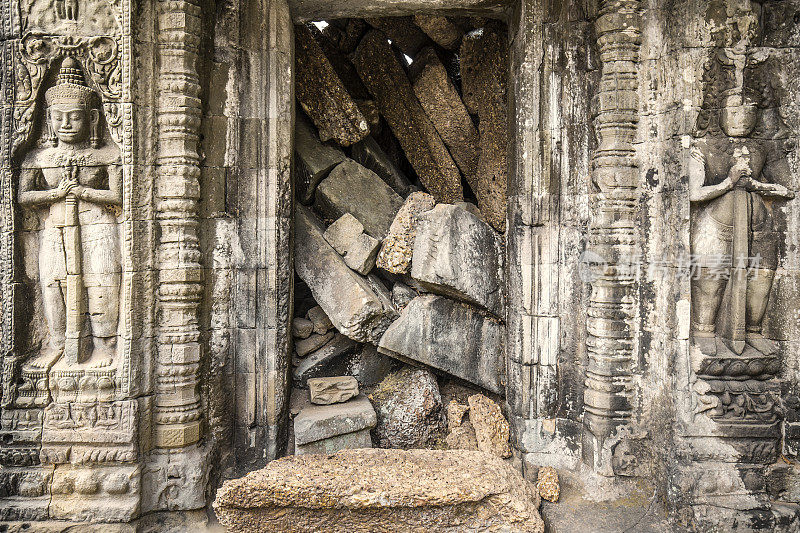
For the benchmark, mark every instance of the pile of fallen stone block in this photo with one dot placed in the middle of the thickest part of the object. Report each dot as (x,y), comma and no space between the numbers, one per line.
(400,180)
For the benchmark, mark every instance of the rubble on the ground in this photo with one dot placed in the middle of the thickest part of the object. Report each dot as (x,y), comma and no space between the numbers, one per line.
(329,428)
(491,428)
(547,484)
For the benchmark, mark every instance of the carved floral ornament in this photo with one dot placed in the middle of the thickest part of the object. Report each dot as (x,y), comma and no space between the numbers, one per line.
(36,56)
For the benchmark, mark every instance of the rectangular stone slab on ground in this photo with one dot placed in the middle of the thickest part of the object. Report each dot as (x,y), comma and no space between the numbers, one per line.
(352,188)
(450,336)
(364,491)
(322,94)
(349,300)
(349,441)
(318,422)
(386,79)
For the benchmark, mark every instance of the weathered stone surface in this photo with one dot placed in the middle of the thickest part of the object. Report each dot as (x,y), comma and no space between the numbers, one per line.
(402,295)
(403,33)
(455,414)
(484,60)
(323,96)
(330,390)
(349,300)
(349,441)
(362,253)
(432,330)
(387,81)
(440,29)
(345,32)
(371,155)
(318,422)
(547,484)
(459,255)
(352,188)
(462,438)
(343,232)
(398,246)
(302,328)
(319,319)
(318,363)
(314,342)
(441,101)
(409,407)
(491,427)
(368,366)
(364,491)
(313,160)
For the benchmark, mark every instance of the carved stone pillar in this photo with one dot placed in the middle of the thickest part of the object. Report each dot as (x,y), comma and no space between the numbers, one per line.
(613,239)
(177,405)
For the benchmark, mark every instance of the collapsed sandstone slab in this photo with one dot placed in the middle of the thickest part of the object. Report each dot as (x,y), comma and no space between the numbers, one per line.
(484,67)
(375,490)
(458,255)
(386,79)
(403,33)
(352,188)
(323,96)
(440,29)
(369,153)
(398,246)
(355,305)
(330,428)
(449,336)
(313,160)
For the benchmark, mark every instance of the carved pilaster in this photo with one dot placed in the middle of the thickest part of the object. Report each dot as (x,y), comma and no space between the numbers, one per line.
(177,406)
(613,241)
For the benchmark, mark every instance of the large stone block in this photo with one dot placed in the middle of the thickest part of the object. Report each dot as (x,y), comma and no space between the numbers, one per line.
(441,101)
(450,336)
(318,422)
(398,247)
(484,60)
(409,408)
(369,153)
(363,491)
(386,79)
(440,29)
(331,390)
(459,255)
(313,160)
(349,441)
(352,188)
(402,31)
(323,96)
(352,302)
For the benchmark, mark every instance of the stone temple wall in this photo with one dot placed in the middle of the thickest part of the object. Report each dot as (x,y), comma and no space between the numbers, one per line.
(164,215)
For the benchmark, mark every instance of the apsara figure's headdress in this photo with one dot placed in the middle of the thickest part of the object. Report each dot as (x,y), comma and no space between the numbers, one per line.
(71,86)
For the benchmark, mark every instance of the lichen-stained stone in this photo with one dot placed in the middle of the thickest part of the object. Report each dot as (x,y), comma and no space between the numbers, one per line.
(314,342)
(374,490)
(409,407)
(352,188)
(313,160)
(484,71)
(330,390)
(323,96)
(398,246)
(440,29)
(547,484)
(458,255)
(385,78)
(403,33)
(371,155)
(315,364)
(491,428)
(317,422)
(402,295)
(441,101)
(450,336)
(350,300)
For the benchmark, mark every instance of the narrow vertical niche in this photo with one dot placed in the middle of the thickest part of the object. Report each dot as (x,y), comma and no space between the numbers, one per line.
(400,172)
